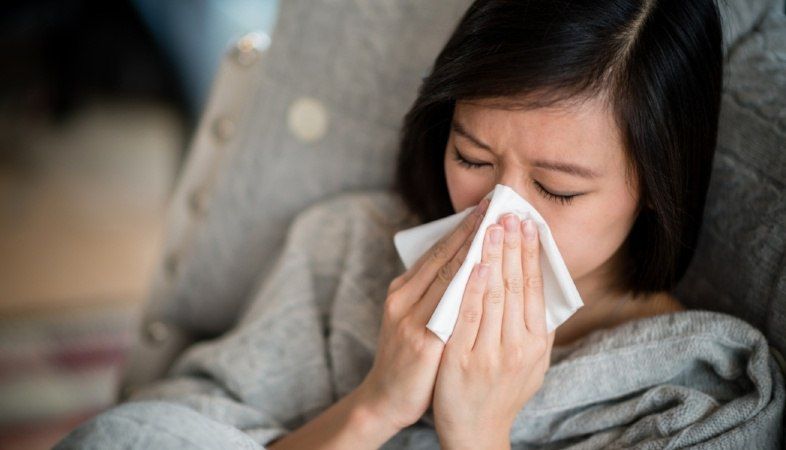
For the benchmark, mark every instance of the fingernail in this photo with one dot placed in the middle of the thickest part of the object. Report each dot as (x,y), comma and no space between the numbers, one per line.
(496,235)
(483,270)
(483,205)
(511,223)
(529,229)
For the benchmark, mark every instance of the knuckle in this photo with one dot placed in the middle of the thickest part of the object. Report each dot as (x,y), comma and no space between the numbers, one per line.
(439,252)
(463,251)
(533,282)
(464,360)
(445,273)
(408,333)
(391,305)
(514,285)
(392,298)
(512,241)
(472,315)
(495,294)
(515,357)
(489,363)
(395,283)
(493,256)
(468,224)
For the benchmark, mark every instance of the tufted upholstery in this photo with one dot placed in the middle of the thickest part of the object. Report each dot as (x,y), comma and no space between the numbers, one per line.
(318,112)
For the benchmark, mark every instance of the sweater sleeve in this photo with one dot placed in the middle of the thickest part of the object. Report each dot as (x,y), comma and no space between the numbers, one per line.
(265,377)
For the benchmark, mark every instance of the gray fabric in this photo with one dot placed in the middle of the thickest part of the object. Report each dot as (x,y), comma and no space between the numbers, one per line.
(156,425)
(740,263)
(695,379)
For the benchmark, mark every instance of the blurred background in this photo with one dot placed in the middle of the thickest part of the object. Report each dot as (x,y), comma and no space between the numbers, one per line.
(98,101)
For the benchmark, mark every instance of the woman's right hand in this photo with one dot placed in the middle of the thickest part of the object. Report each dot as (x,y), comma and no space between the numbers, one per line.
(400,385)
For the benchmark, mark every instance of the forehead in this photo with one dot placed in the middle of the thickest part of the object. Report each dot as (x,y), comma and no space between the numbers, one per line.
(582,130)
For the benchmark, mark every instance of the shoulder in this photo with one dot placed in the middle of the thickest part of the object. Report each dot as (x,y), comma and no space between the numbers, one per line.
(673,325)
(350,236)
(347,242)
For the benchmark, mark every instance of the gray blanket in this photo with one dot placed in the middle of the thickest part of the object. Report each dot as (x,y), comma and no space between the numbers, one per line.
(693,379)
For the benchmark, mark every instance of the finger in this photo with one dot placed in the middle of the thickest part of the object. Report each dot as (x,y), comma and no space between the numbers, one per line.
(513,327)
(489,334)
(471,310)
(479,211)
(534,304)
(425,268)
(551,337)
(547,355)
(428,302)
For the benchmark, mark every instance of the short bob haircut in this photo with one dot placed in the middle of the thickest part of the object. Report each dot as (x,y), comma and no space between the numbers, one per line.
(659,64)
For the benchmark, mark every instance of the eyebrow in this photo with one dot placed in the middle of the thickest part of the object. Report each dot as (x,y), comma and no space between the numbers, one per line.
(559,166)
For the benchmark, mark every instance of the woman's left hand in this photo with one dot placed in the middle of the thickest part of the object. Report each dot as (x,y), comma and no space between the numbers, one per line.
(499,351)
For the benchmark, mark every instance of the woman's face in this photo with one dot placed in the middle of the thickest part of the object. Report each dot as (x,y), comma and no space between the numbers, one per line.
(524,149)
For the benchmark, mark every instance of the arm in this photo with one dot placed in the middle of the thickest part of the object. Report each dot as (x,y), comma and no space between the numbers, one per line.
(346,424)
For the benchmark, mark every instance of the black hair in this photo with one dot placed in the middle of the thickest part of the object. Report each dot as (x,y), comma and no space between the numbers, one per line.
(658,62)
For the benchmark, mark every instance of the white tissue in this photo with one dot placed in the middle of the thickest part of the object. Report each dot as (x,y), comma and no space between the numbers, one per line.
(560,294)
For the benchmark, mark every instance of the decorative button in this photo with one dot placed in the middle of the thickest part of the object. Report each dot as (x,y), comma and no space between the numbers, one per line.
(307,119)
(223,129)
(197,202)
(171,265)
(126,392)
(248,48)
(156,332)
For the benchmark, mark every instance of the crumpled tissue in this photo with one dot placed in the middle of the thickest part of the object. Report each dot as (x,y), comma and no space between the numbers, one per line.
(561,297)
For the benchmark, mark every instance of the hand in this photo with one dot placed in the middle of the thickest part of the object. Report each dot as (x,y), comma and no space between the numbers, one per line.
(499,351)
(400,385)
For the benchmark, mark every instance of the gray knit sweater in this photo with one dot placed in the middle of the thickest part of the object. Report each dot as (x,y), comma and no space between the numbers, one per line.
(308,337)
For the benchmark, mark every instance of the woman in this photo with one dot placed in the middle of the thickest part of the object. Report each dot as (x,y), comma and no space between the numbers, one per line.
(603,115)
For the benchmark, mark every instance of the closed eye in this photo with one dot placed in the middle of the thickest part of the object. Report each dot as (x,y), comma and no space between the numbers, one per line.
(465,162)
(563,199)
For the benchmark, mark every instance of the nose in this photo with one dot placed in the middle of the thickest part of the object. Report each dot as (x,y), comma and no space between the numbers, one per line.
(514,181)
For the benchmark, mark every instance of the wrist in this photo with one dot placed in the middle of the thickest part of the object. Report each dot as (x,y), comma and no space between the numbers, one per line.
(370,417)
(487,439)
(476,443)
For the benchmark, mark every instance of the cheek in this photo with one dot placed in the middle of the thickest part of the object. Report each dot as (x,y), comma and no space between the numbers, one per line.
(583,248)
(589,237)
